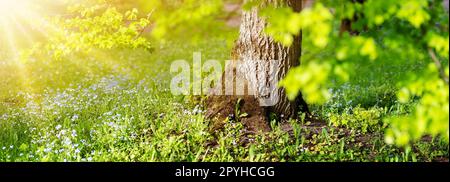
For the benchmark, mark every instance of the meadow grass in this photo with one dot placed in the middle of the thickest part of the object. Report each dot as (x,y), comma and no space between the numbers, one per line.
(117,106)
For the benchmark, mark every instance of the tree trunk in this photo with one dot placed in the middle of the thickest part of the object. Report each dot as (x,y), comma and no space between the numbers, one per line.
(346,24)
(256,50)
(255,56)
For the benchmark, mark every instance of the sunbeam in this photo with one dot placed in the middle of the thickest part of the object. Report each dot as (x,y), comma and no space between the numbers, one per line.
(24,20)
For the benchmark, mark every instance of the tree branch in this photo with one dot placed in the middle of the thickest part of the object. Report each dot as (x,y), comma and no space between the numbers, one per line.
(144,28)
(438,64)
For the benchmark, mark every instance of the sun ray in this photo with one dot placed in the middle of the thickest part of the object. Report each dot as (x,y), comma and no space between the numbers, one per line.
(13,58)
(19,22)
(24,34)
(16,18)
(9,38)
(26,13)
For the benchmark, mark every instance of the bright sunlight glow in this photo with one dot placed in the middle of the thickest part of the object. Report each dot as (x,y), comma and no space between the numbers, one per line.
(9,7)
(13,15)
(18,22)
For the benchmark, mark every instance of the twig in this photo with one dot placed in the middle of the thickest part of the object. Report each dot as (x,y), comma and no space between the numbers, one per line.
(232,12)
(144,28)
(438,64)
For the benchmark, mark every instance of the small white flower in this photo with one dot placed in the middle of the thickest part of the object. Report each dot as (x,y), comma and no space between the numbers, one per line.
(75,117)
(67,141)
(47,150)
(74,133)
(58,127)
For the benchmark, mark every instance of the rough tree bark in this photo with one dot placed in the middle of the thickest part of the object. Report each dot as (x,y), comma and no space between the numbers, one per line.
(253,45)
(254,53)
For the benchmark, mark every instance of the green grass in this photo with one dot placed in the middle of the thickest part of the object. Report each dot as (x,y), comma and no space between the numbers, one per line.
(116,106)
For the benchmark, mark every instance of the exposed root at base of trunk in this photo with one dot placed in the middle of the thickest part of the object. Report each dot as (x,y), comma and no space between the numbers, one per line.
(222,107)
(256,119)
